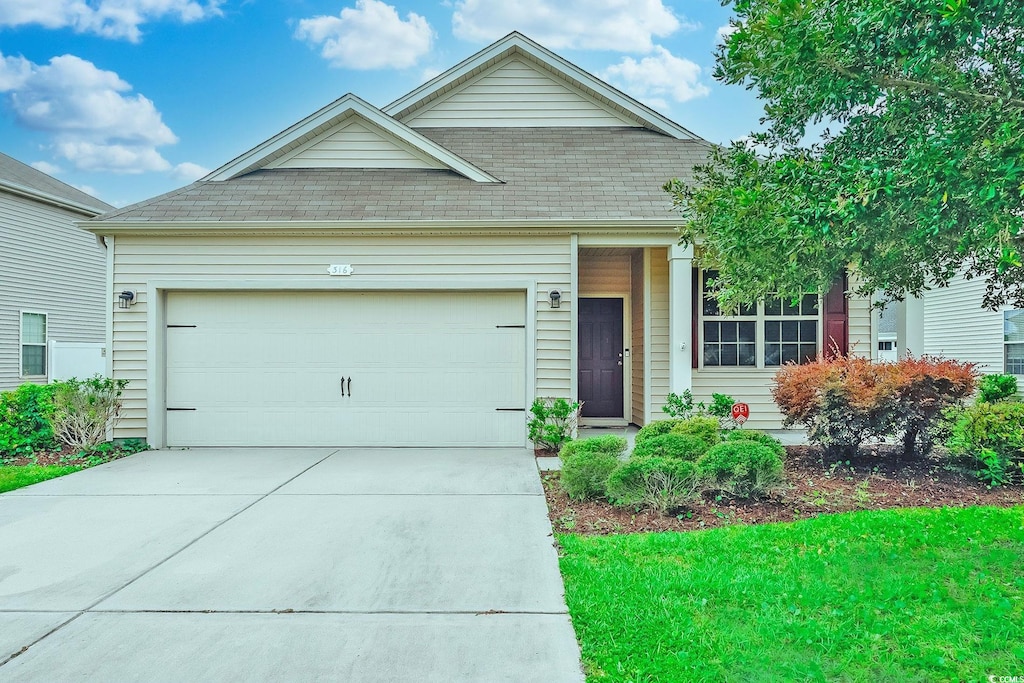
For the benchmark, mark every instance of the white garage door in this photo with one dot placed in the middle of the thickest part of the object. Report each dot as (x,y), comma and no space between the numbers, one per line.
(419,368)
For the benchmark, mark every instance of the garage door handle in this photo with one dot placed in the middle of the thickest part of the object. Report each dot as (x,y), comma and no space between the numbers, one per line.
(342,386)
(350,387)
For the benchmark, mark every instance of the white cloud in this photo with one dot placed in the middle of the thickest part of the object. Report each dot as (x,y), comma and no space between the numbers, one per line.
(658,78)
(430,73)
(46,167)
(724,32)
(621,25)
(107,18)
(370,36)
(96,123)
(188,171)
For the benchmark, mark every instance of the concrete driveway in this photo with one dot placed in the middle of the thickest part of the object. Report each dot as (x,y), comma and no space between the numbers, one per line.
(292,565)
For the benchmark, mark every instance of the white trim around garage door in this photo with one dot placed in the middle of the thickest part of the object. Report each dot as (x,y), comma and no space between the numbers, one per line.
(156,392)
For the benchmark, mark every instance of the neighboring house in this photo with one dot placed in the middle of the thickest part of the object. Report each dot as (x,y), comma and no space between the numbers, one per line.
(886,343)
(53,303)
(955,325)
(417,274)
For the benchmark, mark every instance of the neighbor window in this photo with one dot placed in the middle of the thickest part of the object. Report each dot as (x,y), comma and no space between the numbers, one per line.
(1013,341)
(33,344)
(769,334)
(885,346)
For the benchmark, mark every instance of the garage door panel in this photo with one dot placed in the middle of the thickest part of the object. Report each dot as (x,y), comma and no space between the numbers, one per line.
(426,368)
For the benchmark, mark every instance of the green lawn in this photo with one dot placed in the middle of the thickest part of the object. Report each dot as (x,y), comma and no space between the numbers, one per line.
(14,477)
(896,595)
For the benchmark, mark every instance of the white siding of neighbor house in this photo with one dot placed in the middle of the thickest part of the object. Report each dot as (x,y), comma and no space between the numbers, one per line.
(355,144)
(956,326)
(47,265)
(515,93)
(140,260)
(637,337)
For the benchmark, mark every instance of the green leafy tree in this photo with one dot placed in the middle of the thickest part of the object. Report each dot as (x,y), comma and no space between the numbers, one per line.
(919,172)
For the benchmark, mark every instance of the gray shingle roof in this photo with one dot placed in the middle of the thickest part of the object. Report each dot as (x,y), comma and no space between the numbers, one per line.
(16,173)
(548,173)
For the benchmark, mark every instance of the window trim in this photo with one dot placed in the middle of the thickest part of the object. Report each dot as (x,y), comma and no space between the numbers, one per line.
(22,344)
(760,318)
(1007,343)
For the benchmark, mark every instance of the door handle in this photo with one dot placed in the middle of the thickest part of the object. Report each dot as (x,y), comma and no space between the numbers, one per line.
(342,386)
(350,387)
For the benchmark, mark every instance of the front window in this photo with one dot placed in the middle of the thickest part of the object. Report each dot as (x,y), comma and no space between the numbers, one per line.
(33,344)
(1013,341)
(768,334)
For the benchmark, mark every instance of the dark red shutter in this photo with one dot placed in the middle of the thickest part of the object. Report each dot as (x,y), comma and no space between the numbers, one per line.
(836,319)
(695,320)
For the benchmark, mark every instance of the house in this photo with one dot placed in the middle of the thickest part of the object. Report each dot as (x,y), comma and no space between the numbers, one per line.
(52,279)
(418,274)
(953,324)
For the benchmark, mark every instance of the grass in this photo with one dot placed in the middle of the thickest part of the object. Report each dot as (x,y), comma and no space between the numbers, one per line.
(15,476)
(894,595)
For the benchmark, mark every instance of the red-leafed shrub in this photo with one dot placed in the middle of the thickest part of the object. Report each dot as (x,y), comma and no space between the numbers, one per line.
(846,400)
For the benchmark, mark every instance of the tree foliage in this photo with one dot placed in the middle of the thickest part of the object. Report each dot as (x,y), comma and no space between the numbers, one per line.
(918,175)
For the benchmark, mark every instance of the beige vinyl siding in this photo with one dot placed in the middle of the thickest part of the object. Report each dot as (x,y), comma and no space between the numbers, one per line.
(48,265)
(604,272)
(418,259)
(355,145)
(861,320)
(956,326)
(659,331)
(637,340)
(515,93)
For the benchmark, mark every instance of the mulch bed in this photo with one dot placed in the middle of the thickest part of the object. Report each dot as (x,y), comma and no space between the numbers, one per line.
(66,456)
(874,480)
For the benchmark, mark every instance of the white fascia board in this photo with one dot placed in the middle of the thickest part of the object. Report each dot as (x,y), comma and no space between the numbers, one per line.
(52,200)
(516,41)
(336,111)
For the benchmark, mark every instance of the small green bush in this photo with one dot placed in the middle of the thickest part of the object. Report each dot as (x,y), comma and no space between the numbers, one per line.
(24,427)
(587,463)
(757,437)
(677,446)
(704,428)
(83,410)
(993,388)
(661,484)
(992,435)
(552,422)
(653,429)
(742,468)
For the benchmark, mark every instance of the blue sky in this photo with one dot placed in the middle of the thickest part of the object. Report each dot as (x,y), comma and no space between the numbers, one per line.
(127,99)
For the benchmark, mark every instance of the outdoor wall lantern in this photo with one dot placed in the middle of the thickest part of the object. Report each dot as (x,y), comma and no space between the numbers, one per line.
(556,298)
(125,299)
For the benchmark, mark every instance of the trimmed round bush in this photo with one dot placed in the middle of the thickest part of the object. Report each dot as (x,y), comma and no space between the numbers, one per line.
(677,446)
(757,437)
(661,484)
(705,428)
(994,388)
(742,468)
(653,429)
(587,463)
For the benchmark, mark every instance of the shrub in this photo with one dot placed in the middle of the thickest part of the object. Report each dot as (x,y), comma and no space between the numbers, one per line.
(761,438)
(84,409)
(552,423)
(993,388)
(743,468)
(704,428)
(992,435)
(676,446)
(846,400)
(24,427)
(587,463)
(653,429)
(661,484)
(681,406)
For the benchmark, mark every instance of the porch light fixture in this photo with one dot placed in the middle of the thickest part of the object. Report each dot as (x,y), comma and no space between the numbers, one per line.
(125,299)
(555,296)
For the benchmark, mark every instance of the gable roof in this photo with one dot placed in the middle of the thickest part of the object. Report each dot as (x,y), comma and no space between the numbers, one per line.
(515,45)
(323,124)
(580,176)
(23,180)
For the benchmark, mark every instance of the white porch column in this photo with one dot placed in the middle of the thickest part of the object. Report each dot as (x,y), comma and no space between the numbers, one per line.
(680,314)
(910,327)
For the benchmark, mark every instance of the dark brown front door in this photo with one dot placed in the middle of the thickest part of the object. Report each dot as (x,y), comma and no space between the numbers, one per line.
(600,362)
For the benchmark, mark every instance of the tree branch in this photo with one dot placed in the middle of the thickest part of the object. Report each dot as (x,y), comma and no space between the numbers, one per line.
(910,84)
